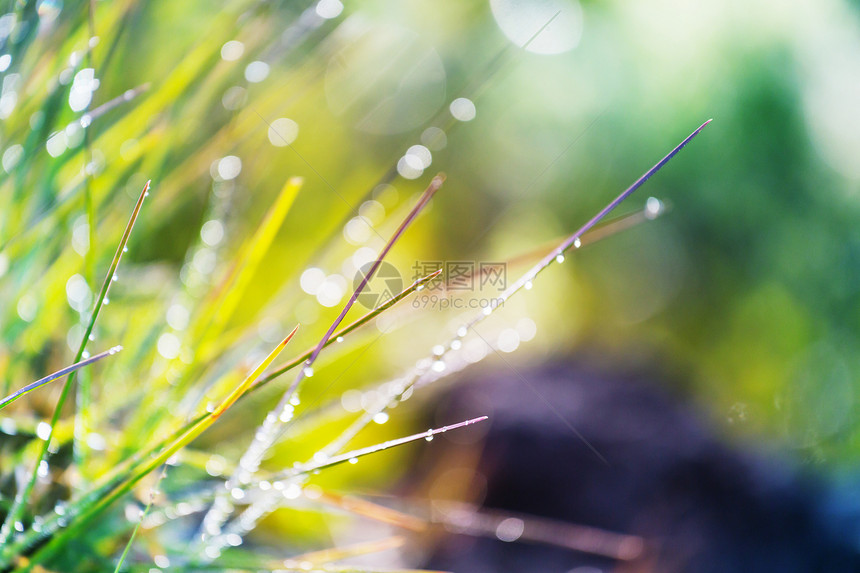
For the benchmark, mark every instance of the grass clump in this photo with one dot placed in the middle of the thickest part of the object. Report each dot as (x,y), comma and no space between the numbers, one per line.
(104,463)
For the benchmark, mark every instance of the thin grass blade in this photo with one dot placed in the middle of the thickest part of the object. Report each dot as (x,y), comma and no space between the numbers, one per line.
(418,284)
(23,496)
(268,432)
(58,374)
(524,282)
(184,439)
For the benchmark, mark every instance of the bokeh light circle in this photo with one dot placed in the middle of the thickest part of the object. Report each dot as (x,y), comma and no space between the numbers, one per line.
(553,26)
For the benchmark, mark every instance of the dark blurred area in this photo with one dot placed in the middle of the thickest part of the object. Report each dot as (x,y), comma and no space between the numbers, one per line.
(577,444)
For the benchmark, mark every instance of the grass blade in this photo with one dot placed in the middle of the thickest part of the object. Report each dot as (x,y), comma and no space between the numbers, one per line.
(22,496)
(140,521)
(268,432)
(431,190)
(524,282)
(418,284)
(184,439)
(269,502)
(354,550)
(354,455)
(227,296)
(58,374)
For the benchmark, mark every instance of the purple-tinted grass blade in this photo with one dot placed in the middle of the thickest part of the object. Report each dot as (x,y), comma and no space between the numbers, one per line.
(58,374)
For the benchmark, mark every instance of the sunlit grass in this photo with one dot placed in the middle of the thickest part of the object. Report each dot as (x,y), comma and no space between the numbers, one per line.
(188,301)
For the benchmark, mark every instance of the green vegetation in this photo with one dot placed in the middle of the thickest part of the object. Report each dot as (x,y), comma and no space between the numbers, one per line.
(289,145)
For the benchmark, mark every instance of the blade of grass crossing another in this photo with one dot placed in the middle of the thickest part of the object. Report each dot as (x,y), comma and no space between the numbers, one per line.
(183,440)
(23,495)
(268,432)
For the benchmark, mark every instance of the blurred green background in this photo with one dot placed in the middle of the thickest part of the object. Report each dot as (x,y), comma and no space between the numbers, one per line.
(747,289)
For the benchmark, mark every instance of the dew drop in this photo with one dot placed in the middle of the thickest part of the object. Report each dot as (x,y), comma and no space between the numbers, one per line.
(308,371)
(429,436)
(510,529)
(339,339)
(577,243)
(212,552)
(295,401)
(528,285)
(653,208)
(353,460)
(292,491)
(559,258)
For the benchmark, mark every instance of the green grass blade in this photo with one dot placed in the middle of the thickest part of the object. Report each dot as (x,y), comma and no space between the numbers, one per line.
(22,497)
(184,439)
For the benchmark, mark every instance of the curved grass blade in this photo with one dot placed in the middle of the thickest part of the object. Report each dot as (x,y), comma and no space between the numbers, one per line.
(23,496)
(649,213)
(58,374)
